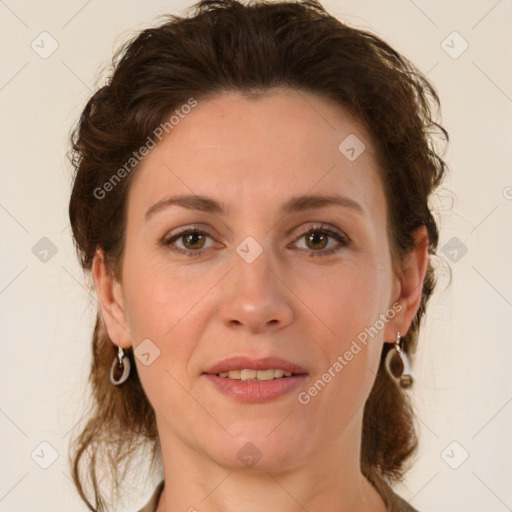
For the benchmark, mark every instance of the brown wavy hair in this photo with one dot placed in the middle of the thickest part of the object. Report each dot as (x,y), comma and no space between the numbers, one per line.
(224,45)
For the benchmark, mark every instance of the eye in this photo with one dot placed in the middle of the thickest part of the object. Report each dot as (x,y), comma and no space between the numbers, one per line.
(321,241)
(318,240)
(190,242)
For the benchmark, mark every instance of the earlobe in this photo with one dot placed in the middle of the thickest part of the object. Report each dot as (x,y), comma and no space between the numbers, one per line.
(110,296)
(410,290)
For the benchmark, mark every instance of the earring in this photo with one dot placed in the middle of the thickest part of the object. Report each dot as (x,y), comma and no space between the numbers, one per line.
(120,369)
(397,365)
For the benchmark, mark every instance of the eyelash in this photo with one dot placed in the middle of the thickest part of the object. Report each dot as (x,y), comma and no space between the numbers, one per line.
(342,239)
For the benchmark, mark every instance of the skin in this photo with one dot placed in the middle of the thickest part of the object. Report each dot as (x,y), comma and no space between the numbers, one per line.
(292,302)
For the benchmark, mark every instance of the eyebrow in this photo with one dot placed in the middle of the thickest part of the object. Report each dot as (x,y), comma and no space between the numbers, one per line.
(295,204)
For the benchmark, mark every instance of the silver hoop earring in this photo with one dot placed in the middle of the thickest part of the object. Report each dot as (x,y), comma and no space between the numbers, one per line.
(120,369)
(398,366)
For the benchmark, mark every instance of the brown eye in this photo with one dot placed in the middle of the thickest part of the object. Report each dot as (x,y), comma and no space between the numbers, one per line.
(316,240)
(190,242)
(193,241)
(320,241)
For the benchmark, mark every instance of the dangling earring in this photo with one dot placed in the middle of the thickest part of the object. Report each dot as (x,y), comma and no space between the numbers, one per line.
(120,369)
(397,365)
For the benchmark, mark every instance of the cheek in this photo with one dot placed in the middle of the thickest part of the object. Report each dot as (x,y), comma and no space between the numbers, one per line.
(169,306)
(346,298)
(161,295)
(348,303)
(161,309)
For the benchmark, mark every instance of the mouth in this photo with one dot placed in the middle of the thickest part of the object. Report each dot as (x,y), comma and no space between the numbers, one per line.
(249,369)
(251,375)
(256,380)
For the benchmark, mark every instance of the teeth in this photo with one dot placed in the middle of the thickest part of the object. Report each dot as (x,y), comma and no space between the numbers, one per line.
(246,374)
(253,375)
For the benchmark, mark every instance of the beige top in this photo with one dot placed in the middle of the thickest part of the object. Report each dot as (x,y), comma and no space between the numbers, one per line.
(393,502)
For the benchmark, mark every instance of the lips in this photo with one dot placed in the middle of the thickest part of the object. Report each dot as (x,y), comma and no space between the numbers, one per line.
(248,363)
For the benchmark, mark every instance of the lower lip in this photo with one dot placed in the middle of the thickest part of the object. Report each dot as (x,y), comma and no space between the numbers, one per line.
(256,392)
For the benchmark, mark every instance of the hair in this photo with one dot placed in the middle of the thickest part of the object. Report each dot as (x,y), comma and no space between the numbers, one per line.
(224,45)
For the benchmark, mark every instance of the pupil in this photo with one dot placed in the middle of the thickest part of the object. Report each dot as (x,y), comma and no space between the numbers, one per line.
(192,239)
(315,239)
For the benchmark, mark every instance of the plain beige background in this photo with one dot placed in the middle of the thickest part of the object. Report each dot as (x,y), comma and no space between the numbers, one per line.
(464,383)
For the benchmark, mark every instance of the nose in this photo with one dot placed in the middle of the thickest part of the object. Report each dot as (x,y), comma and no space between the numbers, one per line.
(255,297)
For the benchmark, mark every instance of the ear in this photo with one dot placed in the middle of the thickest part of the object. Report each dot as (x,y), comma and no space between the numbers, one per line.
(111,299)
(409,286)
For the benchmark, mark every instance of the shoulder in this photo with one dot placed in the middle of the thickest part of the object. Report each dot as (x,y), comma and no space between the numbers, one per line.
(394,502)
(398,504)
(153,502)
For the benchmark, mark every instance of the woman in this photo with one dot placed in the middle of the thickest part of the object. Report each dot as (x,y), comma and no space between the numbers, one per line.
(251,199)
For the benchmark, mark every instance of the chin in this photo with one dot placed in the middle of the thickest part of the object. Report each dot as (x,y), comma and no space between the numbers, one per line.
(260,448)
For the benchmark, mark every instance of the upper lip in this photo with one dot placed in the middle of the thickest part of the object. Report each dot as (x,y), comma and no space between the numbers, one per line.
(243,362)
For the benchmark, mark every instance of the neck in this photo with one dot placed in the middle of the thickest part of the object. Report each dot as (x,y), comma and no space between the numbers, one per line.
(329,482)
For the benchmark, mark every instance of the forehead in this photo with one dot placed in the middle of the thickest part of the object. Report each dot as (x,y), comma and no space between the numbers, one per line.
(249,153)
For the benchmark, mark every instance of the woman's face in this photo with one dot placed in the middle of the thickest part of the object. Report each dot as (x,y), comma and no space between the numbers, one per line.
(290,260)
